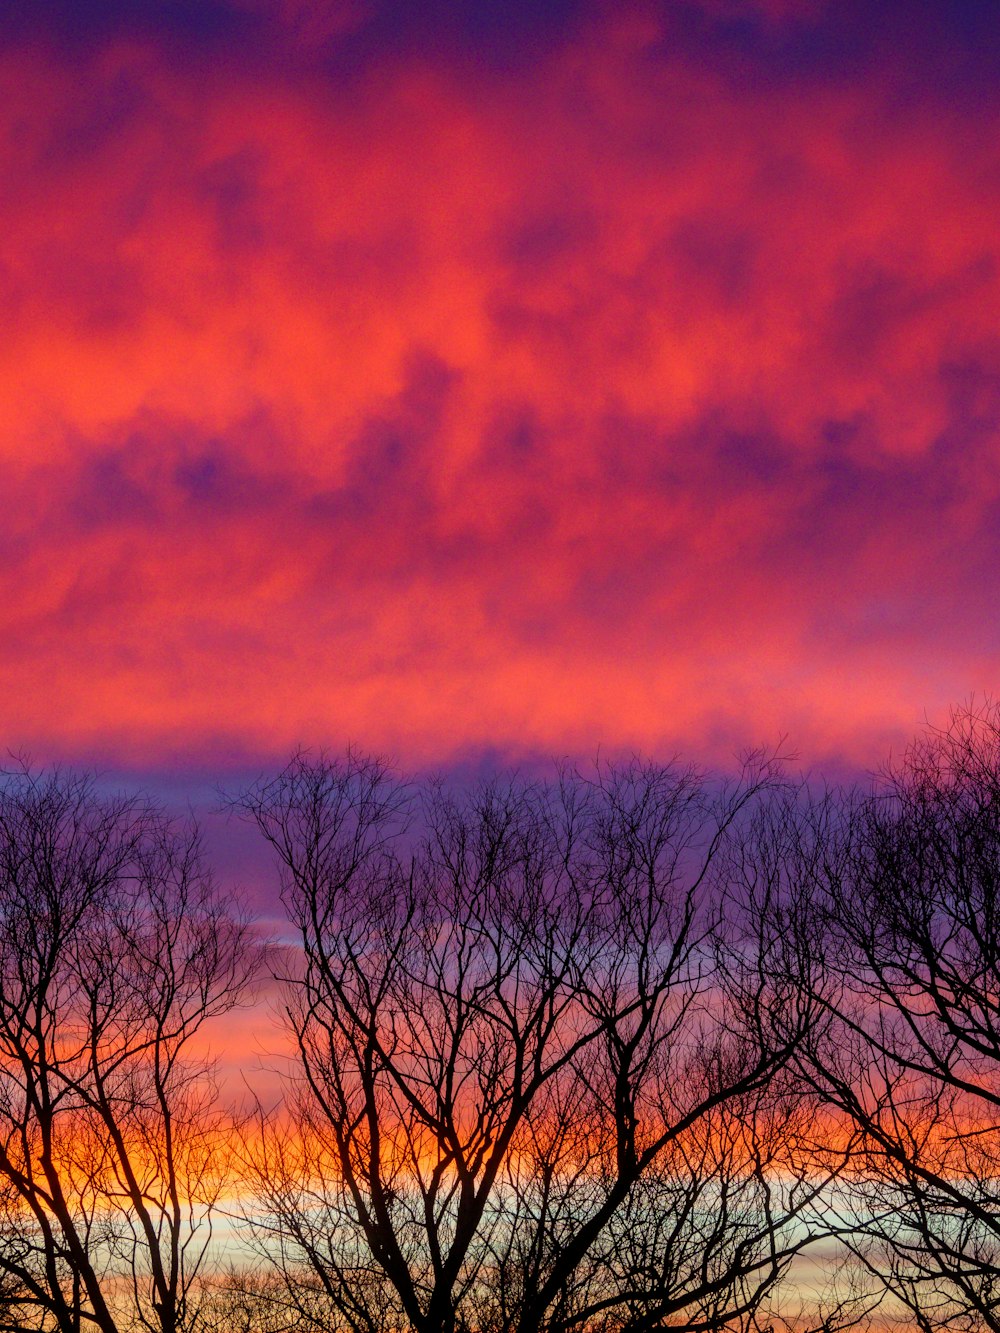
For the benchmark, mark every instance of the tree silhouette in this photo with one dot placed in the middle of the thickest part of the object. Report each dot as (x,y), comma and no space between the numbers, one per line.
(115,949)
(605,1053)
(905,882)
(542,1056)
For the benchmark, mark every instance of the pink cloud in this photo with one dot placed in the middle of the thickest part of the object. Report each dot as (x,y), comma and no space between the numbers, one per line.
(600,404)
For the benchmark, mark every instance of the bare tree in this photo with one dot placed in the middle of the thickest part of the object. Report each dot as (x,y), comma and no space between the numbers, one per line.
(115,949)
(907,897)
(542,1057)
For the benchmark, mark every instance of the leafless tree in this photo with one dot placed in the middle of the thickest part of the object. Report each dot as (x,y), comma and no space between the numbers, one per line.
(543,1052)
(115,950)
(906,894)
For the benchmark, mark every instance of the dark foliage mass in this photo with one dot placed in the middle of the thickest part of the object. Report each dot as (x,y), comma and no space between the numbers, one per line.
(632,1049)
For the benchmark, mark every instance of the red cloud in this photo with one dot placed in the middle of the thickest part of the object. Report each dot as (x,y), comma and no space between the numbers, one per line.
(603,402)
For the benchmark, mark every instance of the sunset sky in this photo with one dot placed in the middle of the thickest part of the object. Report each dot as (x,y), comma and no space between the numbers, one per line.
(482,381)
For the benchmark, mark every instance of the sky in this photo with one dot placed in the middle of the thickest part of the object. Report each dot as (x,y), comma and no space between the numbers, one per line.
(476,382)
